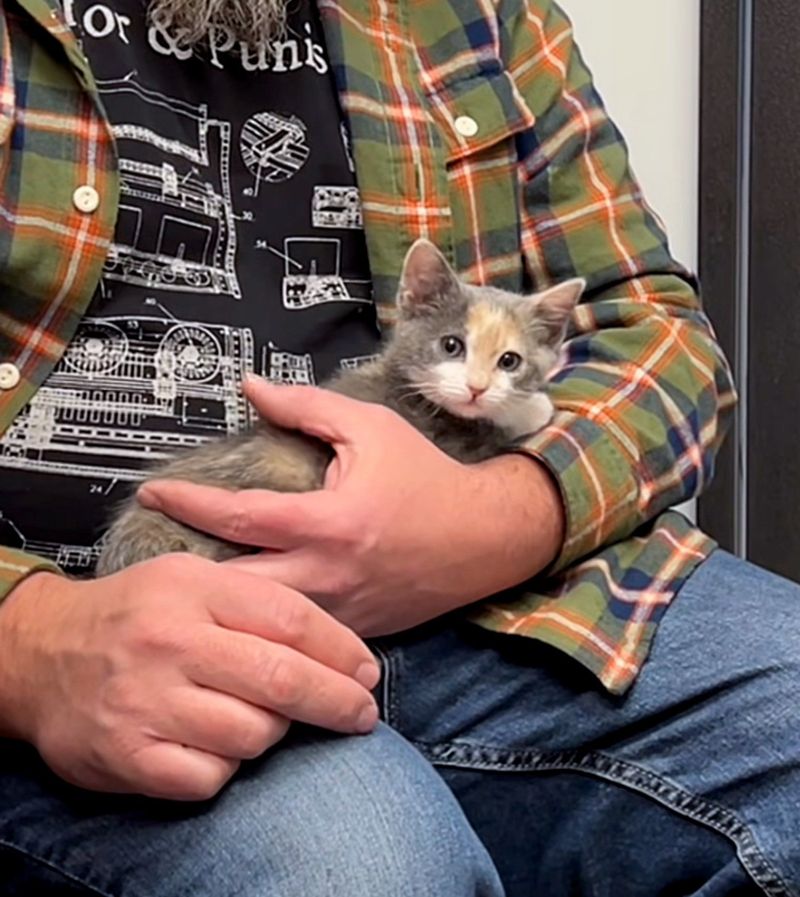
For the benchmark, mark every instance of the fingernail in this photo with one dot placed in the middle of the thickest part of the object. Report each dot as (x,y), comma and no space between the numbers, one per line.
(367,719)
(253,380)
(368,674)
(146,497)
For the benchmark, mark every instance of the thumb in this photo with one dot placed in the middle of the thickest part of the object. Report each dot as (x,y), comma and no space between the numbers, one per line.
(329,416)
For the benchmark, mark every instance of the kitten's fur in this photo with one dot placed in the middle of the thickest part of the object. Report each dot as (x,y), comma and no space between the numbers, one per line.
(415,375)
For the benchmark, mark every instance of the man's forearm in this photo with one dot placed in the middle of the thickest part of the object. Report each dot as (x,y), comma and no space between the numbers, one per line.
(517,506)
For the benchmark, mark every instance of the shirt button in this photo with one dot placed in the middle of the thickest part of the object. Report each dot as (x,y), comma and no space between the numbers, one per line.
(466,126)
(86,199)
(9,375)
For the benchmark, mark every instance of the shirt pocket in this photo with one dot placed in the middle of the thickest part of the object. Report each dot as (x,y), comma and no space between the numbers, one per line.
(479,119)
(477,112)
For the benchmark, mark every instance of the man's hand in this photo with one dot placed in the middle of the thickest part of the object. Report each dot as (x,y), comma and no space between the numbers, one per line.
(400,534)
(160,679)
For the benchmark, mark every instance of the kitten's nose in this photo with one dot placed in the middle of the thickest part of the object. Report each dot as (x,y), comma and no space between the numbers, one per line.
(476,391)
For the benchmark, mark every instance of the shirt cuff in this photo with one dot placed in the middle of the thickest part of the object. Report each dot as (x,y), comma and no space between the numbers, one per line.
(17,565)
(597,479)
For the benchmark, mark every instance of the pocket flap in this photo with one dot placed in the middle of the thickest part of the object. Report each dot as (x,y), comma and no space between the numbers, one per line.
(477,112)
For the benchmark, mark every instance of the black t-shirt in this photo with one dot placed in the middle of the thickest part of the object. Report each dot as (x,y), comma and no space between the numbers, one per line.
(239,247)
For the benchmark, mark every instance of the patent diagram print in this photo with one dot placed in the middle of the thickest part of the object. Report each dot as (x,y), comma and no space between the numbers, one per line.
(312,274)
(273,146)
(130,391)
(176,226)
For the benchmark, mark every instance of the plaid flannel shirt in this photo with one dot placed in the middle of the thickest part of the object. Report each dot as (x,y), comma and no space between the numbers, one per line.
(535,189)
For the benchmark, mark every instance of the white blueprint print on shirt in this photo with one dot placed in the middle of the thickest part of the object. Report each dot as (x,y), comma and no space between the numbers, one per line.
(333,206)
(312,274)
(274,147)
(288,368)
(178,176)
(72,557)
(130,391)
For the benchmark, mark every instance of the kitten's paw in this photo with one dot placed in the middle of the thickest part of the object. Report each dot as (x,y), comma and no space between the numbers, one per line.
(524,418)
(541,411)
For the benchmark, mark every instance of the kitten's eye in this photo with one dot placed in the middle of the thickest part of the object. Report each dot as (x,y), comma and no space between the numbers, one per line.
(452,346)
(509,361)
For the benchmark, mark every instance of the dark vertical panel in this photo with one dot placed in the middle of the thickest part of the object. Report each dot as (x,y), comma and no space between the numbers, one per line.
(774,382)
(720,74)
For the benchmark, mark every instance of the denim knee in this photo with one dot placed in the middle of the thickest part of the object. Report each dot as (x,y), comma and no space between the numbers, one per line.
(322,816)
(356,816)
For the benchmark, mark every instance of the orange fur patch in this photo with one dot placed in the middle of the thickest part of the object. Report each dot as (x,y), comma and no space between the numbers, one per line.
(491,331)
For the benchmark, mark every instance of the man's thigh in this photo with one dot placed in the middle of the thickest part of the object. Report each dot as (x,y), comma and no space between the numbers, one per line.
(680,786)
(323,815)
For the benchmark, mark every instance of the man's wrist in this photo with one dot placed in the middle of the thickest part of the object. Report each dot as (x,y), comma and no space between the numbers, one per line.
(23,605)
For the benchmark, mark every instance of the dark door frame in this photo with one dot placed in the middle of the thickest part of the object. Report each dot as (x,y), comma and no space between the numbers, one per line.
(725,85)
(750,269)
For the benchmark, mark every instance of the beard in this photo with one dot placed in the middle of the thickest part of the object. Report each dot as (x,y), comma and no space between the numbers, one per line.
(254,22)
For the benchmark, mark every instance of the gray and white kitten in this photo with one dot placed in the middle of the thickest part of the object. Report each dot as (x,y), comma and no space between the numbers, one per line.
(466,366)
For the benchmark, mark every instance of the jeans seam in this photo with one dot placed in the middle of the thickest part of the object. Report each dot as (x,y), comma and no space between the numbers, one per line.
(626,774)
(389,699)
(46,863)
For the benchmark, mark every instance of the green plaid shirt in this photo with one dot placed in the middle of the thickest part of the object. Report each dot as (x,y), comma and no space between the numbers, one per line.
(477,125)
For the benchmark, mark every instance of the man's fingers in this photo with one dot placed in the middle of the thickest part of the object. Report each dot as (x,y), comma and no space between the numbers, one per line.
(218,724)
(289,568)
(327,415)
(173,771)
(283,681)
(255,517)
(270,611)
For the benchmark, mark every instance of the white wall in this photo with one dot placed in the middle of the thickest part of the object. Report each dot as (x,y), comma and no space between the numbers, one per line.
(645,56)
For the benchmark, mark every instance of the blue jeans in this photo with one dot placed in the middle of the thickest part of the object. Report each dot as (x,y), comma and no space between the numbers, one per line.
(688,785)
(324,817)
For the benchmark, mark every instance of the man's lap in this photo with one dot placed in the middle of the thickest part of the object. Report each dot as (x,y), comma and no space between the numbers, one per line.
(702,756)
(572,790)
(325,816)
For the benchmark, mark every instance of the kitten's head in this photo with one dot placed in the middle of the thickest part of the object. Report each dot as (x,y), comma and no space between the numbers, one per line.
(477,352)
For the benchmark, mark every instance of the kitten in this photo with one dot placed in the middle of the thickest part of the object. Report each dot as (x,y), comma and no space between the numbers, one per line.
(466,366)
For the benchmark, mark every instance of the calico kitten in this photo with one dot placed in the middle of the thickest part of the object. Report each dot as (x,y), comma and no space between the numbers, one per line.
(466,366)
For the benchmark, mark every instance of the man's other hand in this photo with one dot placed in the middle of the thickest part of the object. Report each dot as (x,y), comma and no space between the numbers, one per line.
(160,679)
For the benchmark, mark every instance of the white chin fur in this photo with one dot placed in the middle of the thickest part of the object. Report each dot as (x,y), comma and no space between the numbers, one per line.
(517,418)
(470,411)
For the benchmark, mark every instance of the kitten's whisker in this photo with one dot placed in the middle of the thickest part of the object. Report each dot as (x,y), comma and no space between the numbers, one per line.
(417,389)
(409,391)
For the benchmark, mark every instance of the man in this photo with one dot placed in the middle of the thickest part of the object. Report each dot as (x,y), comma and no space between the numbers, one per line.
(179,209)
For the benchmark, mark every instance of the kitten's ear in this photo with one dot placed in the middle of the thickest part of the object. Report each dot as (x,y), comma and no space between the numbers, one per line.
(553,307)
(426,281)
